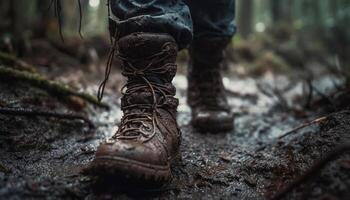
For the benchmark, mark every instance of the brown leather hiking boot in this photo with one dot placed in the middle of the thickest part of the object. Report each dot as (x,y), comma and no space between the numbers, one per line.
(206,93)
(148,137)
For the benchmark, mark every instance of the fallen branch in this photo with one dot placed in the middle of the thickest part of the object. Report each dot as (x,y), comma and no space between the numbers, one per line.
(313,171)
(30,112)
(58,89)
(19,64)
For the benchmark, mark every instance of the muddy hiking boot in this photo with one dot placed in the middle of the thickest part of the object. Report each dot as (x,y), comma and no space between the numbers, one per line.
(206,93)
(148,138)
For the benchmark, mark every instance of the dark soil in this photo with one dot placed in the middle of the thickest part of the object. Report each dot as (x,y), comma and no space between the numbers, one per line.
(43,158)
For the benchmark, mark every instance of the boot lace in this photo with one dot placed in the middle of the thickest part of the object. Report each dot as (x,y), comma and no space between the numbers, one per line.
(137,117)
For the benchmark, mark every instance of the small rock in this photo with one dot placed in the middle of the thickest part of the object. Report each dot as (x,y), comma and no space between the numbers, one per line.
(225,157)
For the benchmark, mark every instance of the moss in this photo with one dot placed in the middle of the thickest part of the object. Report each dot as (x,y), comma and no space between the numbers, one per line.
(53,87)
(12,61)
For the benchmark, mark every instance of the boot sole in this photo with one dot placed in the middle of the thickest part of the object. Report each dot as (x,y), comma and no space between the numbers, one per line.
(214,127)
(132,173)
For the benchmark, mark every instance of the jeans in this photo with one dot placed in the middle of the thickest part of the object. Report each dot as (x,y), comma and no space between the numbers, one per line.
(184,20)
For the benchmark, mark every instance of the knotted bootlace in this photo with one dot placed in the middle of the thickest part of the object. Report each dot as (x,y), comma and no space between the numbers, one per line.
(138,117)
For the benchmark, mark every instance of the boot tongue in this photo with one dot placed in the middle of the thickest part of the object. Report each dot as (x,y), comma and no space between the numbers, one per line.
(148,55)
(142,45)
(149,65)
(144,97)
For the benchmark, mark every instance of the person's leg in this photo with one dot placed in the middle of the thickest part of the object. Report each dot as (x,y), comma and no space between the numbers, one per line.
(148,138)
(213,24)
(212,19)
(152,16)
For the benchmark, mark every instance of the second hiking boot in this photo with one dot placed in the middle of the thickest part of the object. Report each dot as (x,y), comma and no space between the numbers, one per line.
(206,93)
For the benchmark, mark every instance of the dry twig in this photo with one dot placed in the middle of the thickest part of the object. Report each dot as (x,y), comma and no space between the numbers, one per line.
(316,121)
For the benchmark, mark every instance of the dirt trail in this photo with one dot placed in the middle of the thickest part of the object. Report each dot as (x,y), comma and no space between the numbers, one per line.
(44,157)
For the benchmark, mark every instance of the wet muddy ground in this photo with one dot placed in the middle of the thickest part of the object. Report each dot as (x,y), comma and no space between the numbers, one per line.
(46,157)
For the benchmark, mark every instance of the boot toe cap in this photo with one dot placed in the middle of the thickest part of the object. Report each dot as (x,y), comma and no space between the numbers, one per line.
(132,162)
(133,151)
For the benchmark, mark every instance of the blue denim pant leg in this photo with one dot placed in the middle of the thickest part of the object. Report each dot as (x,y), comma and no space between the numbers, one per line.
(212,18)
(155,16)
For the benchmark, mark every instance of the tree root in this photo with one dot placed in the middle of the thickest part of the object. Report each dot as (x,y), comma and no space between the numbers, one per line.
(54,87)
(313,171)
(30,112)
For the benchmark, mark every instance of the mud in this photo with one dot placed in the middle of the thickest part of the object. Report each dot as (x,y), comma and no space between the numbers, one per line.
(43,158)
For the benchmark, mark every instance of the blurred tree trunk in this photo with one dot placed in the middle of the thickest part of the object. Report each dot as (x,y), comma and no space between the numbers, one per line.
(5,15)
(17,21)
(45,20)
(245,18)
(25,18)
(23,12)
(281,10)
(102,14)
